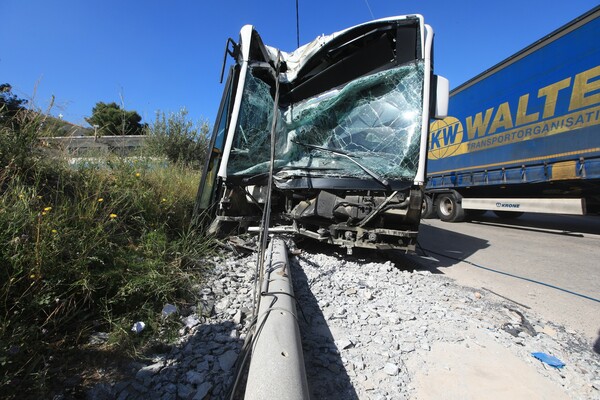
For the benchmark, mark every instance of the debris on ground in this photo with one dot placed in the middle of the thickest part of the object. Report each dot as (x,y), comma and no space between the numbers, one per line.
(371,329)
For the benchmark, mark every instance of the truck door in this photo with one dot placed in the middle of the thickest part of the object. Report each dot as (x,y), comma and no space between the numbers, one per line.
(207,194)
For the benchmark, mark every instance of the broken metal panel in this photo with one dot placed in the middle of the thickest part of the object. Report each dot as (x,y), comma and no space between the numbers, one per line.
(300,59)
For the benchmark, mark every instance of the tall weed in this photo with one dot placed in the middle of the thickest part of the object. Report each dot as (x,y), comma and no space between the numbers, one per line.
(87,249)
(178,139)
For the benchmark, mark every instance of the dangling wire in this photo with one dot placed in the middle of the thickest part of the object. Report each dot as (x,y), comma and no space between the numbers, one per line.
(369,7)
(266,217)
(297,26)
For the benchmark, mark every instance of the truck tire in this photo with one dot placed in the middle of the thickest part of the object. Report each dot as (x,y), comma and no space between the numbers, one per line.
(508,214)
(427,210)
(449,209)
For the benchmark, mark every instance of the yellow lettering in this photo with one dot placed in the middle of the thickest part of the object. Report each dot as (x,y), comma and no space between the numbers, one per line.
(522,117)
(551,94)
(502,119)
(477,127)
(582,86)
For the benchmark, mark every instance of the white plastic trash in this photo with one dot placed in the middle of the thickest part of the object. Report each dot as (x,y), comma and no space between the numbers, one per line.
(138,327)
(168,309)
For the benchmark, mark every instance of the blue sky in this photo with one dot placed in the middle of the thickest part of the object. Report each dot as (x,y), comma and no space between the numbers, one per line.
(156,55)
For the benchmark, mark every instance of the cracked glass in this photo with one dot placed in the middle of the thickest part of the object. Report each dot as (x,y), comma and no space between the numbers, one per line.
(373,123)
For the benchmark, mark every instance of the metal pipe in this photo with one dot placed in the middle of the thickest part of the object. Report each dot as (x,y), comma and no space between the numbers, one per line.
(274,229)
(277,364)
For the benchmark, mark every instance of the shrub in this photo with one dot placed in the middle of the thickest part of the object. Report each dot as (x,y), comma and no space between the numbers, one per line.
(19,140)
(10,105)
(94,248)
(179,140)
(112,119)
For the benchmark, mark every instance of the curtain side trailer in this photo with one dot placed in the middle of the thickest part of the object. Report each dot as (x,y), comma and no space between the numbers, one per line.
(523,136)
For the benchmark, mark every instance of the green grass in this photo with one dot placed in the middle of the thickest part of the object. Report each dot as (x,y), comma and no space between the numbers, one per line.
(87,249)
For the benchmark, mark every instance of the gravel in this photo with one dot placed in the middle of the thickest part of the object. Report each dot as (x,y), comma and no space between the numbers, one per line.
(368,326)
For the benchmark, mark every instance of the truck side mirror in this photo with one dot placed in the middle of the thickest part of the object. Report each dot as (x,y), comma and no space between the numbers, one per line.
(442,97)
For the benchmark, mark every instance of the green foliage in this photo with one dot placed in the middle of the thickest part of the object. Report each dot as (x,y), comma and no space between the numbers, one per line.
(94,248)
(19,139)
(178,139)
(12,109)
(111,119)
(10,104)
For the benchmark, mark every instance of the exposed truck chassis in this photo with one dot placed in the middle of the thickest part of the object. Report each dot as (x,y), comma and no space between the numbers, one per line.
(367,219)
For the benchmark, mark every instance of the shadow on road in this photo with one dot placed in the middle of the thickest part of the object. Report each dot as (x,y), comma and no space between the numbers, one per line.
(441,248)
(569,225)
(327,377)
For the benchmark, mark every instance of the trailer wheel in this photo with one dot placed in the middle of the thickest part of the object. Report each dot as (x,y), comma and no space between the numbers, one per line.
(508,214)
(427,210)
(448,208)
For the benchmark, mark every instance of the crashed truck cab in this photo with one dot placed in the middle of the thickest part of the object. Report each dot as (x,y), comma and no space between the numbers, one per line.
(332,137)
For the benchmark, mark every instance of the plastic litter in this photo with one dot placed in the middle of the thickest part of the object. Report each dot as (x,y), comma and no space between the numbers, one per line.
(548,359)
(138,327)
(168,309)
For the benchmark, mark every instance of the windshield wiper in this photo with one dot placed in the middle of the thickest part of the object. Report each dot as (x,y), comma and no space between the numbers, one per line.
(342,153)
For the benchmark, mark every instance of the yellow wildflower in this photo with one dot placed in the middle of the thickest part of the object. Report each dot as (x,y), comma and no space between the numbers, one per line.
(32,276)
(47,209)
(54,231)
(164,200)
(137,174)
(100,200)
(113,216)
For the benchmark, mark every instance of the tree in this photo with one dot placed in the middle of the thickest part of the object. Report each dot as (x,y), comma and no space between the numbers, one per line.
(19,130)
(10,104)
(179,139)
(111,119)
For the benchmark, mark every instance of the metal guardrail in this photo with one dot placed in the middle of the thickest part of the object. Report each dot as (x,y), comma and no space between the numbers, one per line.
(78,145)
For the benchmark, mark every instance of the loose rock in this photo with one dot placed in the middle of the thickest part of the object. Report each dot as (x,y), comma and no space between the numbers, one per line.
(360,321)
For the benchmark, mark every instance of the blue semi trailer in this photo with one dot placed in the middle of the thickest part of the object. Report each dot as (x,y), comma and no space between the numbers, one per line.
(523,136)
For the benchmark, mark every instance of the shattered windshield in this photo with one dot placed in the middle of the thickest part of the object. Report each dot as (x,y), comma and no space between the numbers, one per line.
(374,120)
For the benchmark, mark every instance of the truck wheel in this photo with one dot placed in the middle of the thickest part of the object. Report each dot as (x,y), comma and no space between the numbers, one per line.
(508,214)
(427,210)
(448,208)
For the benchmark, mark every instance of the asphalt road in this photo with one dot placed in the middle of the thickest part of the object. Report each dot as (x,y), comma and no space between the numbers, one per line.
(548,263)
